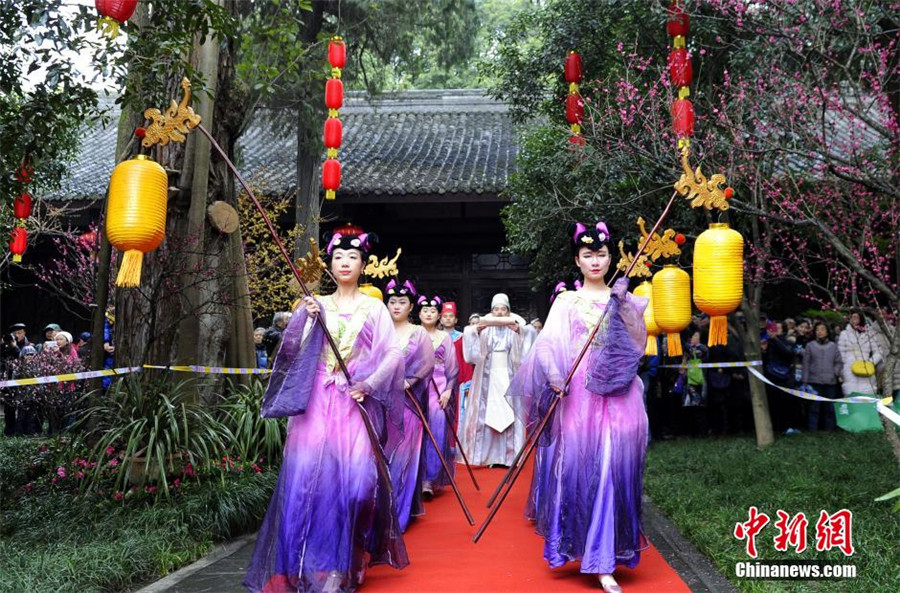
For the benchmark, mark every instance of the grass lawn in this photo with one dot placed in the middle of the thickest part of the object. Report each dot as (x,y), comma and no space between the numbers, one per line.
(56,539)
(706,487)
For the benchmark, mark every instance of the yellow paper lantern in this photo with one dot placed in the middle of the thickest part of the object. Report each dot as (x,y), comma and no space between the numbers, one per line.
(645,289)
(371,290)
(136,214)
(672,305)
(718,277)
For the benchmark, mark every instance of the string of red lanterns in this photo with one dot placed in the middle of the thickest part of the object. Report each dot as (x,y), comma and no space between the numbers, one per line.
(334,130)
(681,72)
(22,210)
(574,100)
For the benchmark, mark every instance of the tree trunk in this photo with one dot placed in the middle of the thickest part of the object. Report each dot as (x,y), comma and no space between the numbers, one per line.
(189,329)
(308,205)
(762,420)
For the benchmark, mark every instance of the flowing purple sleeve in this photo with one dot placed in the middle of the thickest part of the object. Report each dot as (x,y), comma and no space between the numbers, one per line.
(376,368)
(546,364)
(419,367)
(419,359)
(290,384)
(618,348)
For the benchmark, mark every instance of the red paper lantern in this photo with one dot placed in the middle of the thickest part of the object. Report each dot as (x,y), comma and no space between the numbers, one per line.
(573,67)
(18,242)
(334,93)
(683,117)
(120,10)
(22,205)
(337,53)
(680,69)
(577,141)
(331,177)
(574,108)
(679,22)
(334,133)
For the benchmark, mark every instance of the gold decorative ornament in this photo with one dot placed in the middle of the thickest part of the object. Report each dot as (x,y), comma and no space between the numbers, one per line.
(640,269)
(659,246)
(311,266)
(587,240)
(694,186)
(383,268)
(179,120)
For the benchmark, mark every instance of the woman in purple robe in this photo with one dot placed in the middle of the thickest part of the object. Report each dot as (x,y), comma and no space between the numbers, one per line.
(441,391)
(332,514)
(406,461)
(588,477)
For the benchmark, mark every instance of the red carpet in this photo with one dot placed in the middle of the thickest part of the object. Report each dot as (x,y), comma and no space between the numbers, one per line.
(509,556)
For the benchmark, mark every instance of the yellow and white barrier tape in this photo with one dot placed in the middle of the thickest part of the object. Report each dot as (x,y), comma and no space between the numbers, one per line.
(854,399)
(191,368)
(68,377)
(714,365)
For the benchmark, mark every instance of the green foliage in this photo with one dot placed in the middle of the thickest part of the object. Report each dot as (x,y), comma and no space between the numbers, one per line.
(706,486)
(16,459)
(153,423)
(67,541)
(43,95)
(532,48)
(252,436)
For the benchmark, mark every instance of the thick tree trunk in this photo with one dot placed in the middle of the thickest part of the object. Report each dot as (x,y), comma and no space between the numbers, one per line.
(308,205)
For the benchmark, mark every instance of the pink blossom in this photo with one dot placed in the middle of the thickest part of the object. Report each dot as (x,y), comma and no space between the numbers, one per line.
(61,472)
(110,450)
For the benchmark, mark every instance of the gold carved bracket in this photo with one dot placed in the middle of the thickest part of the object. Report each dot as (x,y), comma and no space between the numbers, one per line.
(694,186)
(178,120)
(382,268)
(659,246)
(311,266)
(641,268)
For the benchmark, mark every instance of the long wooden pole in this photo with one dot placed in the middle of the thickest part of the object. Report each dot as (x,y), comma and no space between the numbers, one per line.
(380,460)
(437,448)
(513,473)
(456,439)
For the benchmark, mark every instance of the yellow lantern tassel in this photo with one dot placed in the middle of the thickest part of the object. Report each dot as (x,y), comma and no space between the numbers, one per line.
(17,258)
(130,269)
(718,331)
(673,341)
(651,349)
(329,194)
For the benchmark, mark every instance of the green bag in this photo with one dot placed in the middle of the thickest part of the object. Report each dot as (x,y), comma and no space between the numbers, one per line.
(858,417)
(694,372)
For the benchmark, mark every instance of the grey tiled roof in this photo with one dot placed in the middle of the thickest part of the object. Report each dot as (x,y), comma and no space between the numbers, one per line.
(457,143)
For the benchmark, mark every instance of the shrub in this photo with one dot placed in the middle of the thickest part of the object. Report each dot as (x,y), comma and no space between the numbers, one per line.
(145,429)
(252,436)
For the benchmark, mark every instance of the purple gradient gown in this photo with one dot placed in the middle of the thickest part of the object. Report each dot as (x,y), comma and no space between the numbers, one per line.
(446,375)
(407,469)
(331,515)
(588,476)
